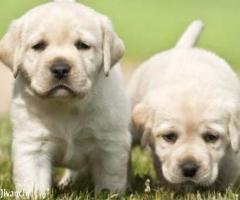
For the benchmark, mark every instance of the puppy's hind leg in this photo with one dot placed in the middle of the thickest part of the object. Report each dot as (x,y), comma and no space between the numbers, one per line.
(68,178)
(73,177)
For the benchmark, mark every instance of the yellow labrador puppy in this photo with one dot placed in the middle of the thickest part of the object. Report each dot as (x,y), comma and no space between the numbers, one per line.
(65,111)
(186,107)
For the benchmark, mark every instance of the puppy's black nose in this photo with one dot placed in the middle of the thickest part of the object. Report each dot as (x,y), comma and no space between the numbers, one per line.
(60,70)
(189,168)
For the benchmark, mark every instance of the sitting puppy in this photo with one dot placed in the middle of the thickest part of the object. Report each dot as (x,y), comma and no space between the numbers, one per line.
(65,111)
(186,107)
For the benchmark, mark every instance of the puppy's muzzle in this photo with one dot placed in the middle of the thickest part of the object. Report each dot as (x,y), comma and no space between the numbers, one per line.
(189,168)
(60,70)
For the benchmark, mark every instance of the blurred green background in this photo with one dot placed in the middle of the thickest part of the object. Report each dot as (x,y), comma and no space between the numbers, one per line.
(150,26)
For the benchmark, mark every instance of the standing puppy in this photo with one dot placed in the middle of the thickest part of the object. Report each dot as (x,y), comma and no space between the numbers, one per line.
(186,107)
(65,111)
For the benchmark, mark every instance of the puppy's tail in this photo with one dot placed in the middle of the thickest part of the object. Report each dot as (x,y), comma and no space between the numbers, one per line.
(191,35)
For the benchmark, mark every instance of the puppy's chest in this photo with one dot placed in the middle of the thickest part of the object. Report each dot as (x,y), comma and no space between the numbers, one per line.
(76,147)
(77,142)
(79,147)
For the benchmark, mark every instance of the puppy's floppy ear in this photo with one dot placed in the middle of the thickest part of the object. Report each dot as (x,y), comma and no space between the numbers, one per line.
(10,47)
(113,47)
(234,131)
(142,122)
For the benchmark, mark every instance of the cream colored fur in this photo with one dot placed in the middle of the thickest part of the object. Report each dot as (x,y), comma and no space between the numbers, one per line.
(82,126)
(190,93)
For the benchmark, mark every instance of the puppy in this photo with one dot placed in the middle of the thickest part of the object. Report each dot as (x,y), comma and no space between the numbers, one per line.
(65,111)
(186,107)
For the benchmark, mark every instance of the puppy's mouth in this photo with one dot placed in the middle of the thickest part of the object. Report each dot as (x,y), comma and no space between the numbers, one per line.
(200,180)
(58,91)
(193,183)
(61,90)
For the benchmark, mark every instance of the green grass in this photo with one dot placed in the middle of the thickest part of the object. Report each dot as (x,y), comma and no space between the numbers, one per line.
(150,26)
(143,180)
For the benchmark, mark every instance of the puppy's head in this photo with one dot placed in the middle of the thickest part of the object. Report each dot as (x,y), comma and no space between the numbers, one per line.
(60,48)
(189,136)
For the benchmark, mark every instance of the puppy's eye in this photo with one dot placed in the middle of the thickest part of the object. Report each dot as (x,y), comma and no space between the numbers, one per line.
(40,46)
(170,137)
(210,137)
(81,46)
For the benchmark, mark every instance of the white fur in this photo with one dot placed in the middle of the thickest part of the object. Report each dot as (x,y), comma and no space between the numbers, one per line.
(190,36)
(76,134)
(81,133)
(186,90)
